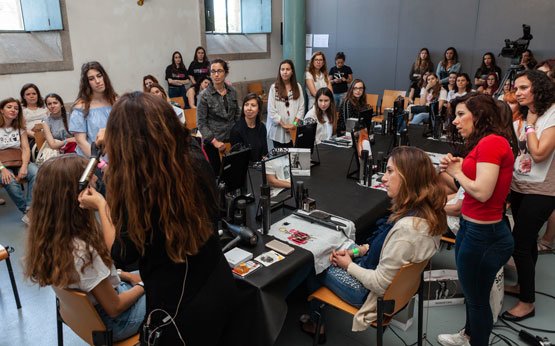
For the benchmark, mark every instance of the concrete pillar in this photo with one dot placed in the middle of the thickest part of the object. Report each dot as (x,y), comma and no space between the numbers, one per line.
(294,30)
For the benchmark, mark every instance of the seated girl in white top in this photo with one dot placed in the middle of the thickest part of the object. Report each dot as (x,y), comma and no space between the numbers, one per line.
(33,107)
(316,76)
(68,248)
(433,92)
(285,105)
(323,112)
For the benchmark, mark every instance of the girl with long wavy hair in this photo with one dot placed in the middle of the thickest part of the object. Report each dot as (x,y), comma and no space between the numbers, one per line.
(148,80)
(491,85)
(362,273)
(161,193)
(68,248)
(421,65)
(316,76)
(285,105)
(323,112)
(353,104)
(433,92)
(449,63)
(488,66)
(92,107)
(484,242)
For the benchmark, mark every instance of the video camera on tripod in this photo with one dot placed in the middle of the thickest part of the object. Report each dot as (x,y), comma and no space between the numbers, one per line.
(514,50)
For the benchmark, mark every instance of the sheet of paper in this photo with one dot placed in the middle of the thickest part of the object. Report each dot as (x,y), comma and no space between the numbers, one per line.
(308,40)
(321,41)
(308,53)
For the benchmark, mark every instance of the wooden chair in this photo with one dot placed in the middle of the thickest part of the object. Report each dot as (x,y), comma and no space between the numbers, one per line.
(179,100)
(394,93)
(5,255)
(405,284)
(226,150)
(191,118)
(256,88)
(372,100)
(75,310)
(387,102)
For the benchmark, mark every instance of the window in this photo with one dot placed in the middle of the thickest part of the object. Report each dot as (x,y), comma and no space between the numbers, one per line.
(30,15)
(238,16)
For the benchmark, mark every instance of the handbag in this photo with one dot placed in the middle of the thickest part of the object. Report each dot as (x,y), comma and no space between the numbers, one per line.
(11,157)
(46,153)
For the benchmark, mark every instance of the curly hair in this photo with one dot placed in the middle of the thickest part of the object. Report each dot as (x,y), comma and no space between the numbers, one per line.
(420,192)
(85,91)
(56,221)
(543,89)
(20,122)
(312,70)
(154,183)
(487,118)
(152,78)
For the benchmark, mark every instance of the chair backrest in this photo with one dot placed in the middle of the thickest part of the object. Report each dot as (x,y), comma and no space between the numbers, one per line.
(394,93)
(78,313)
(256,88)
(404,285)
(387,102)
(179,100)
(40,138)
(190,118)
(372,100)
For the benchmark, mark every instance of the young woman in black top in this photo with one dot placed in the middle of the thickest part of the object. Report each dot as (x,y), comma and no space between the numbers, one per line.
(249,129)
(177,77)
(200,66)
(488,66)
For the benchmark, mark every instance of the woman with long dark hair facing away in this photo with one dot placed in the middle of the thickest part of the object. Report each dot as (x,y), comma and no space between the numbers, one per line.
(177,77)
(199,66)
(217,112)
(92,107)
(361,274)
(450,63)
(488,66)
(15,155)
(161,196)
(421,65)
(285,105)
(249,129)
(323,113)
(68,248)
(55,126)
(316,76)
(484,242)
(533,186)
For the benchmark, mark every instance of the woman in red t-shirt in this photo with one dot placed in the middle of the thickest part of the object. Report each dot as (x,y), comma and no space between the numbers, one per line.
(484,242)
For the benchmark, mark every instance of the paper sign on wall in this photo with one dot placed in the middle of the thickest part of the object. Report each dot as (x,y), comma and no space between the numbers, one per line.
(308,40)
(321,41)
(308,53)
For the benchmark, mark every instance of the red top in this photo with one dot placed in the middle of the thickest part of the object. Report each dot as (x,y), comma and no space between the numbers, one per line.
(492,149)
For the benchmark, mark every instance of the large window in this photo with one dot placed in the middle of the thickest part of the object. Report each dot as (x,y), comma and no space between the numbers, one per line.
(238,16)
(30,15)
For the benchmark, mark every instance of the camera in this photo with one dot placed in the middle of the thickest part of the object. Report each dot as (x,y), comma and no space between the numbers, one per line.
(514,49)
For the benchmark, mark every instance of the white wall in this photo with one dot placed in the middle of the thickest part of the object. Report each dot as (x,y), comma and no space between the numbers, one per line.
(131,41)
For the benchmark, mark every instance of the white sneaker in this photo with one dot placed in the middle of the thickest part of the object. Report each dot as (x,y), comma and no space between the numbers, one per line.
(458,339)
(25,219)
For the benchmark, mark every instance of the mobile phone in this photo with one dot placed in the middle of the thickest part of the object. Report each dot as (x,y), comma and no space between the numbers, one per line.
(280,247)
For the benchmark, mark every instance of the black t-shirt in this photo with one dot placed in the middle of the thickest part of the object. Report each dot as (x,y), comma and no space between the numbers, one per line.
(180,73)
(199,69)
(482,73)
(254,138)
(337,73)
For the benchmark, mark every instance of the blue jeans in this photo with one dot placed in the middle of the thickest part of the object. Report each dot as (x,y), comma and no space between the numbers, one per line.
(420,118)
(15,190)
(337,99)
(128,322)
(480,251)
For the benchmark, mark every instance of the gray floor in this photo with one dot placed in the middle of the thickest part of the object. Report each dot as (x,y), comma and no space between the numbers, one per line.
(35,323)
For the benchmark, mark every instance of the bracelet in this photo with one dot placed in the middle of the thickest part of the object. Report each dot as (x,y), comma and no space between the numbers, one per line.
(295,123)
(529,126)
(101,164)
(530,130)
(356,252)
(2,167)
(140,283)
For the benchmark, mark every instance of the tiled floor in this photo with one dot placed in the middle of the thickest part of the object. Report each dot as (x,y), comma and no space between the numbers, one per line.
(35,323)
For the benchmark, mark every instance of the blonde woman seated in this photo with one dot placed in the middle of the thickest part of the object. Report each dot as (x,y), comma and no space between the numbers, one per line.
(418,220)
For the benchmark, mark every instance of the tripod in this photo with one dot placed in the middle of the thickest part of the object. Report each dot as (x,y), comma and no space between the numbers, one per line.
(510,75)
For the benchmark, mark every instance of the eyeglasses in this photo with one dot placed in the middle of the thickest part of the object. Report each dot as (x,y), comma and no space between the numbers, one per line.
(319,60)
(217,71)
(358,88)
(491,79)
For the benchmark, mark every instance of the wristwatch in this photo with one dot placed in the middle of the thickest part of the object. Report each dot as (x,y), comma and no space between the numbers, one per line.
(140,283)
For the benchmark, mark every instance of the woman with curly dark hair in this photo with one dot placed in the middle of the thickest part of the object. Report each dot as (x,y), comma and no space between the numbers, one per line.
(533,187)
(484,242)
(161,195)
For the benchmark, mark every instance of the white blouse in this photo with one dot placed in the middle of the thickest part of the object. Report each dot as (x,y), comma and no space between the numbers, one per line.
(278,111)
(323,131)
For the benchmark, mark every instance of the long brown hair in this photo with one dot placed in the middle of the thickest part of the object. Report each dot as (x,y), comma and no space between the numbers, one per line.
(323,70)
(154,184)
(331,110)
(63,111)
(18,123)
(420,193)
(85,90)
(359,103)
(56,221)
(423,65)
(152,78)
(436,89)
(280,84)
